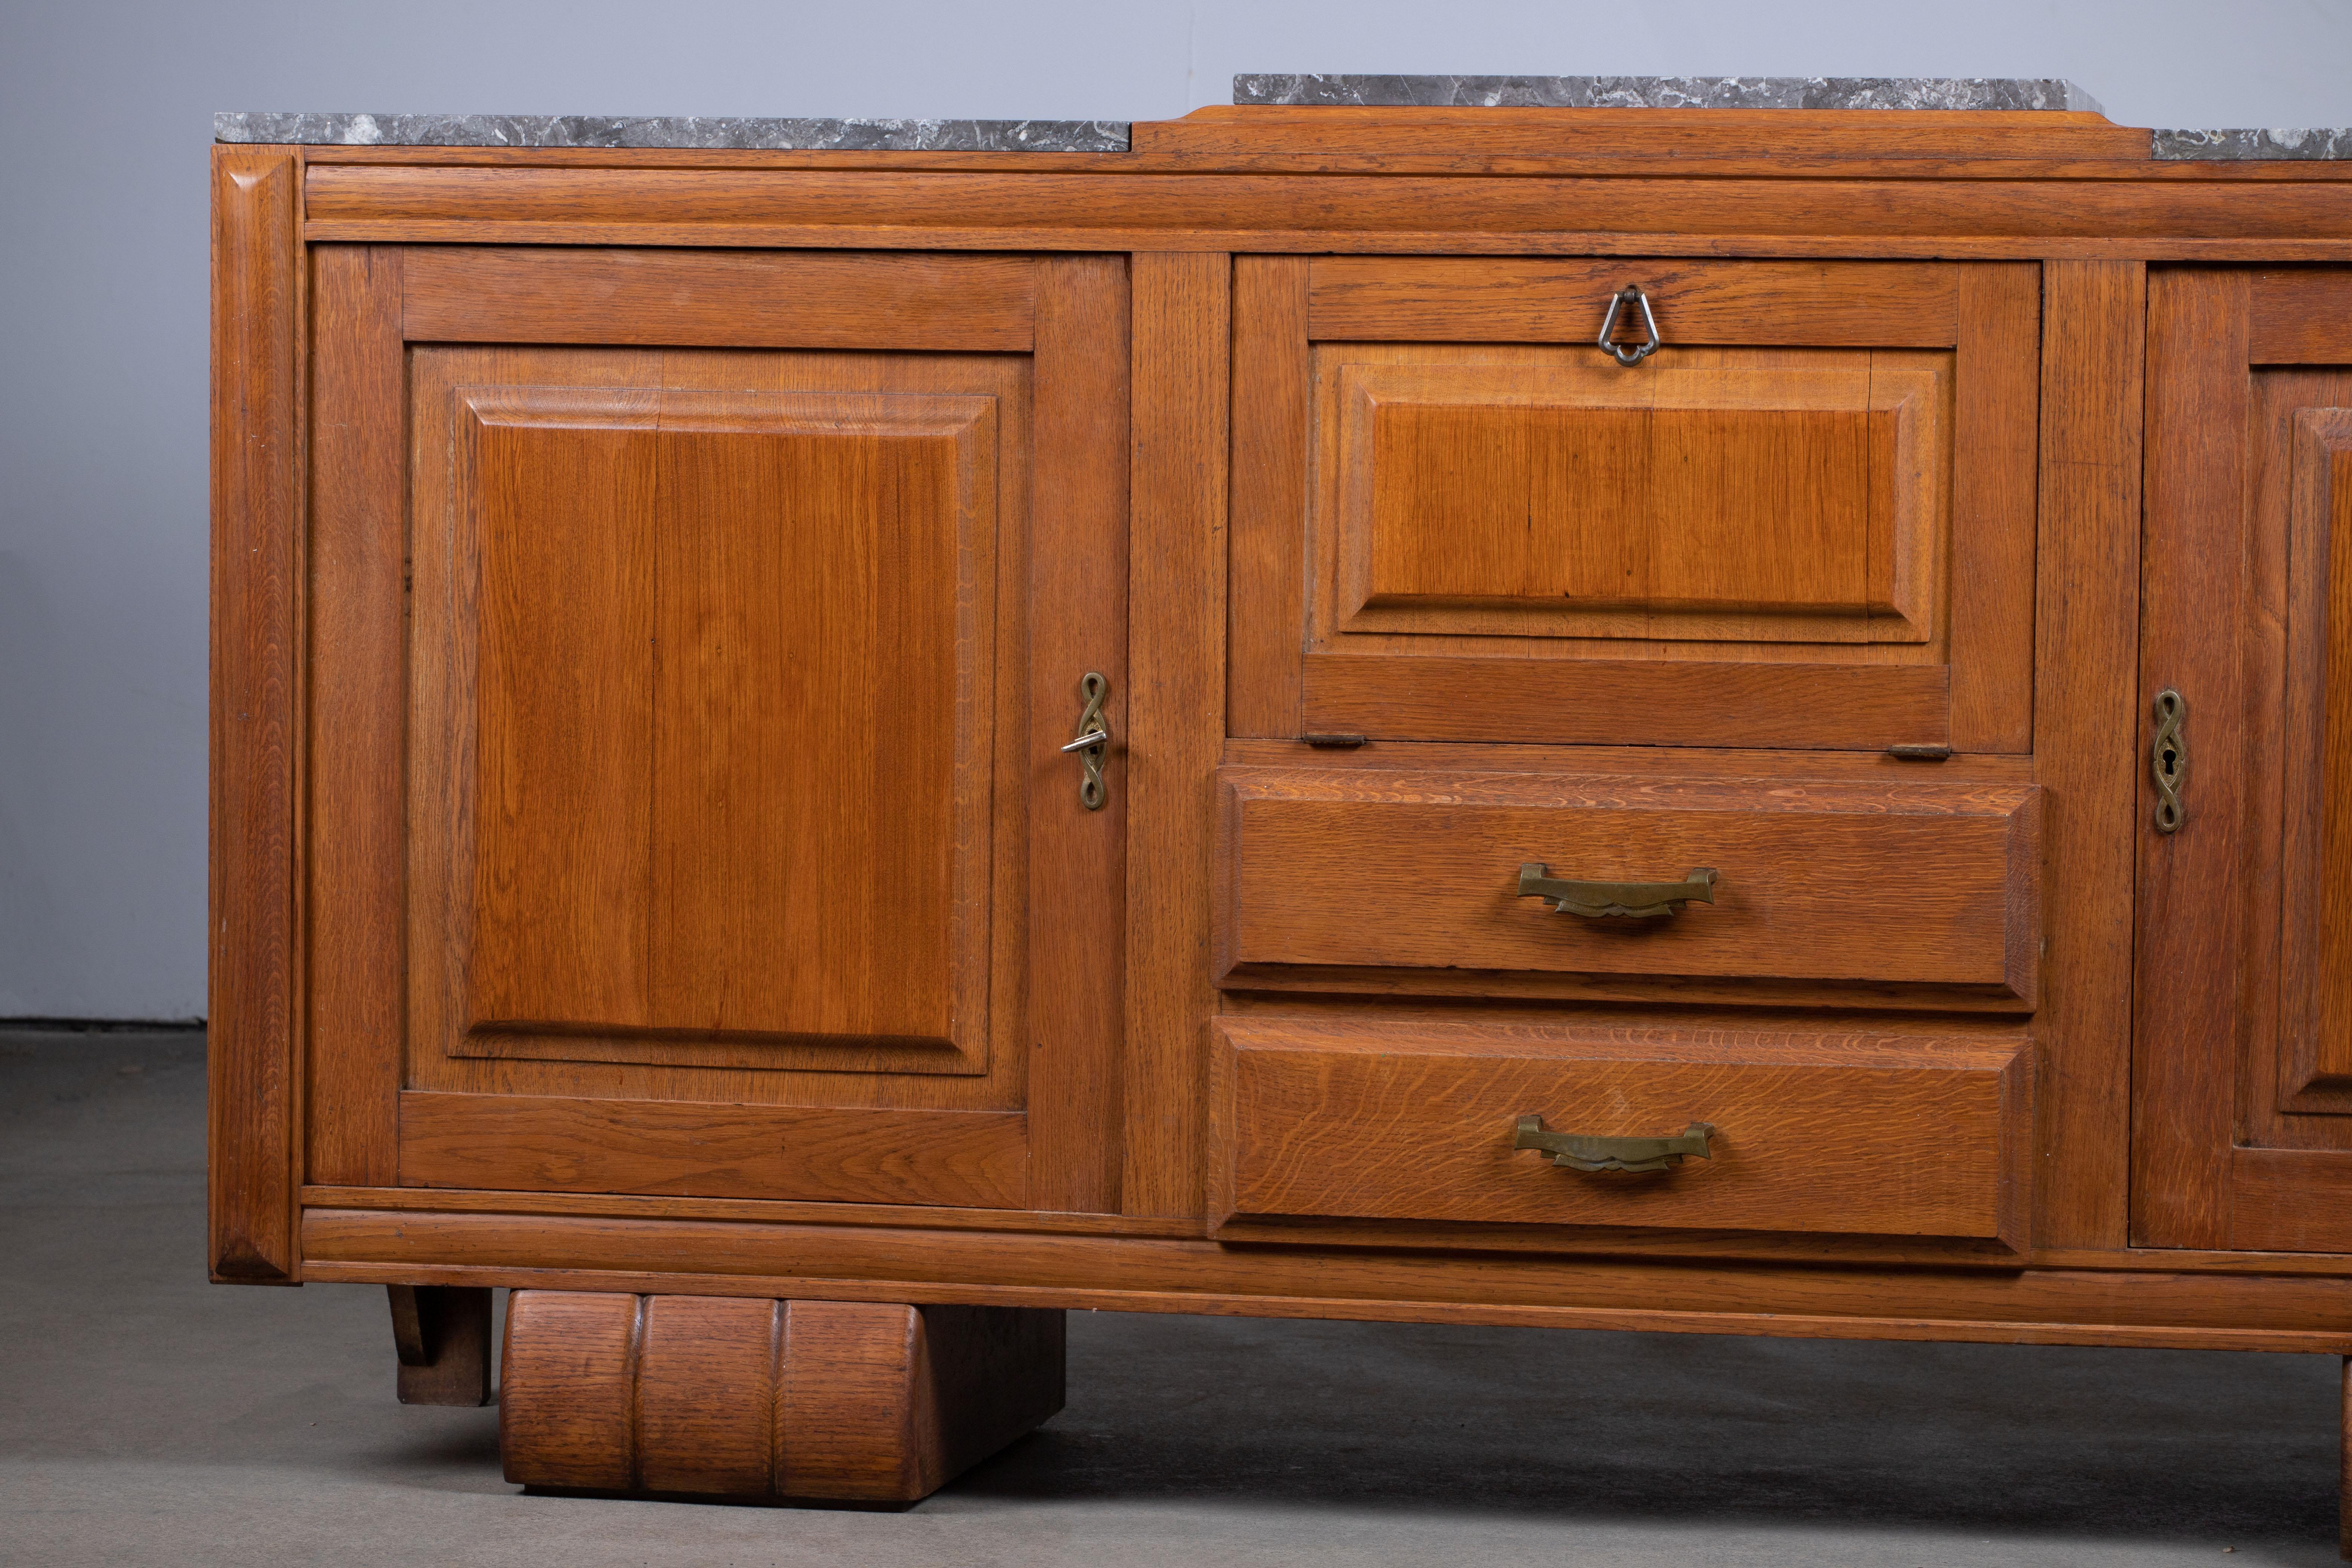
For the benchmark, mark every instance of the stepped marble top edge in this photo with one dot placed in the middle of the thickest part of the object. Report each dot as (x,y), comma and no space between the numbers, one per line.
(1665,92)
(695,133)
(1771,92)
(784,134)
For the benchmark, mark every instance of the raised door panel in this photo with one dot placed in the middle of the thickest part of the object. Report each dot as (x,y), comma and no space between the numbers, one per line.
(696,613)
(2243,1079)
(708,712)
(1772,498)
(1806,521)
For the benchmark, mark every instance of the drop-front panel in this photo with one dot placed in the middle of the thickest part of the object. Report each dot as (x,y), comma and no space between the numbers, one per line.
(1806,519)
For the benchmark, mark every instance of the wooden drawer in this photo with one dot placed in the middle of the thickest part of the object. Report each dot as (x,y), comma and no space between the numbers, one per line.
(1806,522)
(1856,1133)
(1358,878)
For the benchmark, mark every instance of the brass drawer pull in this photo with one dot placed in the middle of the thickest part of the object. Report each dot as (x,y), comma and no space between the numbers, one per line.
(1631,901)
(1579,1152)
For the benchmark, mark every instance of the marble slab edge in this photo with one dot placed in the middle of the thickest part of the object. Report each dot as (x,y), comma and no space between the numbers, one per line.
(699,134)
(1666,92)
(2253,144)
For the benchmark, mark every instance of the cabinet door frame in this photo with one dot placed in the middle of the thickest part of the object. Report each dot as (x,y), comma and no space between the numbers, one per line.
(2226,1152)
(1057,1149)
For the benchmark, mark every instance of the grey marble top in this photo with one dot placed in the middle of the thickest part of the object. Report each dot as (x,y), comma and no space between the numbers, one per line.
(1666,91)
(2242,144)
(689,132)
(1111,135)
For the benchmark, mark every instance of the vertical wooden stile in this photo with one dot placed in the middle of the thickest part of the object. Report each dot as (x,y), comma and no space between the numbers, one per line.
(2084,740)
(254,927)
(1176,714)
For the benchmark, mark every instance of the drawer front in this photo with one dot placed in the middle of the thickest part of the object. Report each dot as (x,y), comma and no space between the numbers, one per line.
(1856,1135)
(1379,878)
(1806,521)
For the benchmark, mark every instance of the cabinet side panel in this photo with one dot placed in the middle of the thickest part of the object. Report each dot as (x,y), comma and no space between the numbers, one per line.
(256,596)
(357,714)
(2085,740)
(1176,715)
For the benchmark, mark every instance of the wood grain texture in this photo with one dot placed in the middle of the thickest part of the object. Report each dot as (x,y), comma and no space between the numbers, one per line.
(546,1143)
(1671,501)
(990,804)
(2087,734)
(1809,304)
(1078,579)
(1811,1132)
(1420,871)
(1417,558)
(683,666)
(2190,929)
(757,1398)
(2316,971)
(355,736)
(1996,371)
(2298,317)
(2134,1300)
(254,956)
(1337,129)
(719,299)
(1273,438)
(567,1382)
(442,1335)
(1258,212)
(1176,715)
(1592,701)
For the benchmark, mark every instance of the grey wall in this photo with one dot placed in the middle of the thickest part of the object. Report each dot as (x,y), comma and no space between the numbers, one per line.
(104,121)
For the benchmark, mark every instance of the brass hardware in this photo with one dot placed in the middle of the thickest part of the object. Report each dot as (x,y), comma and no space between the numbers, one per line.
(1579,1152)
(1911,752)
(1632,900)
(1629,295)
(2169,758)
(1332,742)
(1093,742)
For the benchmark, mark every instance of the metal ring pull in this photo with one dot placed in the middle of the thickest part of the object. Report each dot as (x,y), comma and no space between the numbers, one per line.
(1630,294)
(1582,1151)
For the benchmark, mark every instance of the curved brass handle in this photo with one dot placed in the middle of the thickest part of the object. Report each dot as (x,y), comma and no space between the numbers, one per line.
(1634,901)
(1579,1152)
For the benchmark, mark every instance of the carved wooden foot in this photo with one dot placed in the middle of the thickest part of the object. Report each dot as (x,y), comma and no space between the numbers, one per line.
(443,1336)
(715,1396)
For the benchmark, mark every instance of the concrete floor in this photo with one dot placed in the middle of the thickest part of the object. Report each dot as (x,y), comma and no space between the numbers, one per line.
(148,1418)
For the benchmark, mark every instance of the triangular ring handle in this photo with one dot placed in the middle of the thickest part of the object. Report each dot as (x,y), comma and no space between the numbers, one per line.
(1630,295)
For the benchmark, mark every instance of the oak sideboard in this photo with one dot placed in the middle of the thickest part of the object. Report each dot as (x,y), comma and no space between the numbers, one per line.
(832,738)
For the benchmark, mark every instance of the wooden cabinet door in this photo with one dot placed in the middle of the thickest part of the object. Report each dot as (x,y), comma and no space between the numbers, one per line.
(2243,1077)
(1806,521)
(695,636)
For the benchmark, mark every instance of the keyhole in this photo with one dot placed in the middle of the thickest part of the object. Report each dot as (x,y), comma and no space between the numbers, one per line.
(2171,760)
